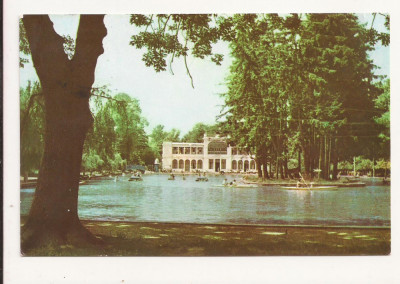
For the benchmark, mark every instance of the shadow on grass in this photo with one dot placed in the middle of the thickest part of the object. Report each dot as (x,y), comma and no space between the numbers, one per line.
(163,239)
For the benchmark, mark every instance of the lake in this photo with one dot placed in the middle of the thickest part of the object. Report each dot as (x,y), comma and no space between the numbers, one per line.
(157,199)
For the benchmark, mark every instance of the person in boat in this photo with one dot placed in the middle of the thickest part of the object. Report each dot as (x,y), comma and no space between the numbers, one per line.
(225,182)
(172,176)
(298,184)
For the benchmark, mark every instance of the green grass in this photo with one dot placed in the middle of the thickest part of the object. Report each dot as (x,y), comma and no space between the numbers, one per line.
(161,239)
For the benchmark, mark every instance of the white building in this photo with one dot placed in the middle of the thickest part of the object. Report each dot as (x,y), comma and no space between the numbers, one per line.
(213,155)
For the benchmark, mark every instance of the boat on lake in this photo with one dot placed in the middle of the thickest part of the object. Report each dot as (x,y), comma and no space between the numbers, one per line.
(353,184)
(237,185)
(135,178)
(310,188)
(201,179)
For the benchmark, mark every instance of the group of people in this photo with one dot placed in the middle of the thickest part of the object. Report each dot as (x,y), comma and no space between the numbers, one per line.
(137,174)
(302,183)
(226,183)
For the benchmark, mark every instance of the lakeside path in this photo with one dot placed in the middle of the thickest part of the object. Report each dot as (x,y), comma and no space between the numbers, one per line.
(174,239)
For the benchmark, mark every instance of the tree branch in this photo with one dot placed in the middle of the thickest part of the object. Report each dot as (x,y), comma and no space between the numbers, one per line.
(173,54)
(187,68)
(150,23)
(373,20)
(89,47)
(165,25)
(110,98)
(46,47)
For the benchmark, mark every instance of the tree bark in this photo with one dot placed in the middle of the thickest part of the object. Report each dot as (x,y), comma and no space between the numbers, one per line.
(285,167)
(66,85)
(281,169)
(307,159)
(321,160)
(335,166)
(259,170)
(265,169)
(299,161)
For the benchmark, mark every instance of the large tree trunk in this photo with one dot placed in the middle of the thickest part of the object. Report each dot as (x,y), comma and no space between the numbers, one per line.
(285,168)
(299,161)
(265,169)
(66,84)
(307,159)
(259,168)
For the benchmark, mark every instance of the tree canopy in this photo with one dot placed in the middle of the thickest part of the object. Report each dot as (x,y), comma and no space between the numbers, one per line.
(301,83)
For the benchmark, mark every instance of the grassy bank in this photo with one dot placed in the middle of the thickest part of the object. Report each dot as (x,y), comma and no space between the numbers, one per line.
(165,239)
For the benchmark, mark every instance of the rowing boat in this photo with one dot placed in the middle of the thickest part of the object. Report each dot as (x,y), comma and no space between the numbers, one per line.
(310,188)
(135,178)
(238,185)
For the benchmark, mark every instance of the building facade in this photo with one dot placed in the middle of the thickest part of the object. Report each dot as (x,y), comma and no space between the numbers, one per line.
(213,155)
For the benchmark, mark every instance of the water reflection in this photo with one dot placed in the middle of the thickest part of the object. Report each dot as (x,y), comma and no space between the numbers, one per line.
(157,199)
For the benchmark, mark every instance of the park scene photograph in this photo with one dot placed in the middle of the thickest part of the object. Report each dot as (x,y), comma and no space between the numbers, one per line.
(205,134)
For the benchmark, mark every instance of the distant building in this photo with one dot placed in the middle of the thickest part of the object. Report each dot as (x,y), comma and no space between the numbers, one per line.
(213,155)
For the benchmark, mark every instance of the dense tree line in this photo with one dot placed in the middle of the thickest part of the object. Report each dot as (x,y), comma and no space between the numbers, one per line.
(118,136)
(302,88)
(159,135)
(116,139)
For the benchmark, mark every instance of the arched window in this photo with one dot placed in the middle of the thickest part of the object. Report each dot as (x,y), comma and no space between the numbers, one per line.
(175,164)
(246,166)
(187,165)
(181,164)
(234,165)
(193,164)
(252,165)
(217,147)
(240,165)
(199,164)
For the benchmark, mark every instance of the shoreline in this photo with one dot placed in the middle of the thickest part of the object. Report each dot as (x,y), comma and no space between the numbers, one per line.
(248,178)
(305,226)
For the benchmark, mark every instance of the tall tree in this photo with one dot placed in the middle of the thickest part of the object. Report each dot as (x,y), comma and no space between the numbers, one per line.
(305,83)
(382,104)
(173,135)
(131,138)
(157,137)
(66,86)
(197,133)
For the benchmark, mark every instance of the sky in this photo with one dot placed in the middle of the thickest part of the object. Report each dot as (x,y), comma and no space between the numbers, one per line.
(165,98)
